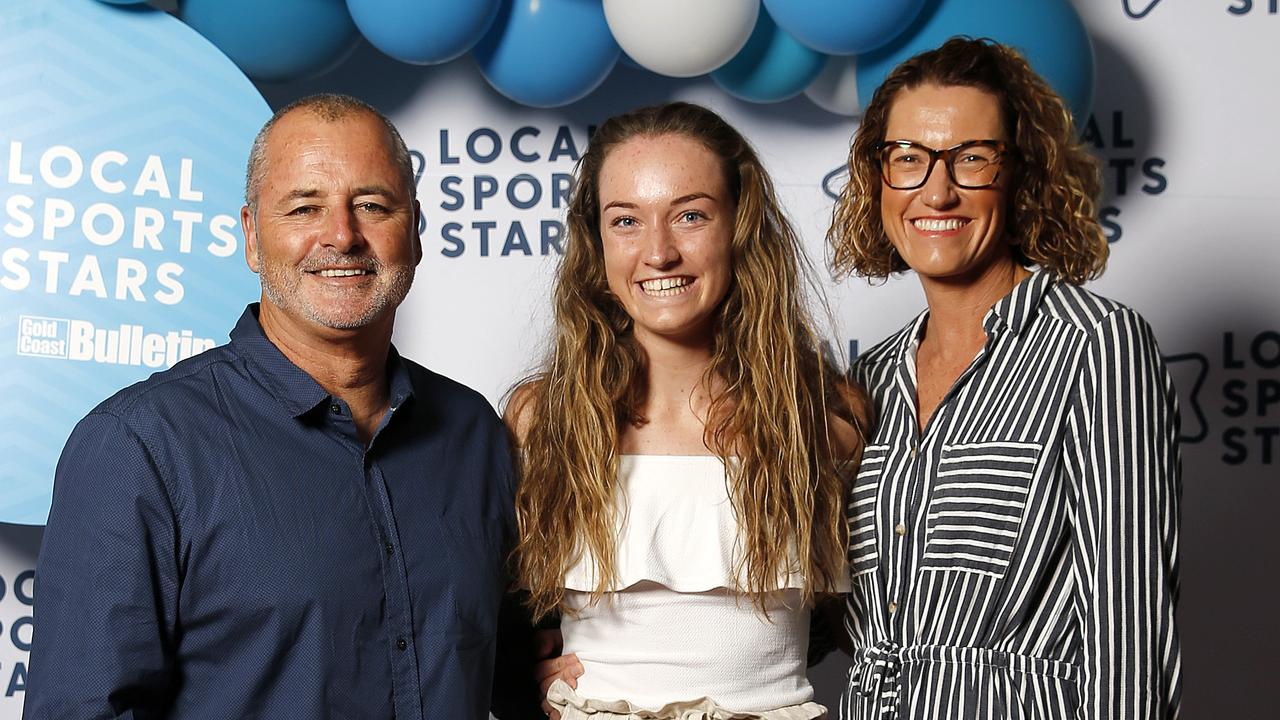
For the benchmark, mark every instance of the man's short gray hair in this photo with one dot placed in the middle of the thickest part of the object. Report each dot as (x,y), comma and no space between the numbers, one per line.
(329,107)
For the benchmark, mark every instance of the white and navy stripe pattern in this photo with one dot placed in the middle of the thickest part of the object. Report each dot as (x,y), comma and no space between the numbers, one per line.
(1019,558)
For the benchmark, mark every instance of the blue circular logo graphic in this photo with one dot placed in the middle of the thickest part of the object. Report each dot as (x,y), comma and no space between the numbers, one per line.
(123,139)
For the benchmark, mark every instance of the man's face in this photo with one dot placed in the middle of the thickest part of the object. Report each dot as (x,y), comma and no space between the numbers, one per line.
(335,235)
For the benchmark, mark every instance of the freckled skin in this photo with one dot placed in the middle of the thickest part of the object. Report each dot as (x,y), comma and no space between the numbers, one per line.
(666,213)
(941,117)
(331,198)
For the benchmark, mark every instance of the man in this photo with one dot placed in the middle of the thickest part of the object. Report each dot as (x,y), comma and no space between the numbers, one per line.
(300,523)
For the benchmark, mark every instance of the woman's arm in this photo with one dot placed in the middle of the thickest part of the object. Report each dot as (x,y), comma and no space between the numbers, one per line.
(1124,479)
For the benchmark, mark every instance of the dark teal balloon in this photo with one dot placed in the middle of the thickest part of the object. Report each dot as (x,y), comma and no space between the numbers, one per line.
(423,32)
(843,27)
(275,40)
(547,53)
(771,67)
(1049,33)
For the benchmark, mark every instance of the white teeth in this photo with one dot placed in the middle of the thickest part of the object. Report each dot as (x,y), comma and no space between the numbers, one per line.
(342,273)
(938,225)
(666,287)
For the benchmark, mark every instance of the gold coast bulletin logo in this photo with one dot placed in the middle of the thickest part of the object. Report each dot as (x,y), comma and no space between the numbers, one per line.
(122,344)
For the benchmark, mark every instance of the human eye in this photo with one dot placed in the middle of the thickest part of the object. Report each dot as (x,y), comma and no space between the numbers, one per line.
(692,216)
(302,211)
(375,208)
(623,221)
(906,157)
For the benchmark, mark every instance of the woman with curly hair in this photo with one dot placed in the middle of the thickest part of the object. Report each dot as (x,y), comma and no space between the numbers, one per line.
(1014,523)
(681,498)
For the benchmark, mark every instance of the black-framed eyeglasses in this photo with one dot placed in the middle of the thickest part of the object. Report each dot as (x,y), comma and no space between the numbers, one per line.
(973,164)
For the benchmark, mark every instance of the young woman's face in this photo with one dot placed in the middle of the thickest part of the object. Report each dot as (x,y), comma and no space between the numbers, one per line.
(667,222)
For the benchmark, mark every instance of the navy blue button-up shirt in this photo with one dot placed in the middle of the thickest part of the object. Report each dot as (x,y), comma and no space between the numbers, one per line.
(223,545)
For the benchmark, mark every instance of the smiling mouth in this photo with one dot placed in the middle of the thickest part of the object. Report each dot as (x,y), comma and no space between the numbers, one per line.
(665,287)
(939,224)
(340,273)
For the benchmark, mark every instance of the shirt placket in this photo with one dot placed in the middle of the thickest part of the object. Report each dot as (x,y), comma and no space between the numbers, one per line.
(923,451)
(400,637)
(406,692)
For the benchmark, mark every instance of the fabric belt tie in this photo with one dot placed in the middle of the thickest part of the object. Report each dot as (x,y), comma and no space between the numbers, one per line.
(878,669)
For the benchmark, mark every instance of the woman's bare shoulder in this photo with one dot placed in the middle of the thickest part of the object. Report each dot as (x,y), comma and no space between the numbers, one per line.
(521,404)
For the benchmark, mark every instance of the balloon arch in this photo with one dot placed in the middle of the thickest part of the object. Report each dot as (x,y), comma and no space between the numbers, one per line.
(547,53)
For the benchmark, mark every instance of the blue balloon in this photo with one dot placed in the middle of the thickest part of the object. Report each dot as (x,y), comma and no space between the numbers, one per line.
(546,53)
(123,2)
(771,67)
(844,27)
(1048,33)
(275,40)
(423,32)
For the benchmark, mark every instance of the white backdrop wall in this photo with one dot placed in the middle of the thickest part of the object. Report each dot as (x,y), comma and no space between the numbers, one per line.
(1184,121)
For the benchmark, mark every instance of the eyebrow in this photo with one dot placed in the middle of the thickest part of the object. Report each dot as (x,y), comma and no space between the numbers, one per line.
(304,193)
(691,197)
(677,201)
(374,190)
(299,194)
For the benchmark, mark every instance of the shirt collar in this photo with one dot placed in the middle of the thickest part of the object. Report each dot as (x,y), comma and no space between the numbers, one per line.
(1017,309)
(297,391)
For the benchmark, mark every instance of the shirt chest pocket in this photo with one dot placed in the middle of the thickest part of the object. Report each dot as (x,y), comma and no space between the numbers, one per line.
(476,579)
(861,511)
(977,507)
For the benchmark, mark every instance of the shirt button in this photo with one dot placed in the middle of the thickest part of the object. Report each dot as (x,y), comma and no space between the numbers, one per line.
(390,548)
(914,452)
(401,644)
(336,409)
(900,529)
(893,608)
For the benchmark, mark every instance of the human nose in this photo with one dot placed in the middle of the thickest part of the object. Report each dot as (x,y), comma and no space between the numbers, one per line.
(938,191)
(343,231)
(660,249)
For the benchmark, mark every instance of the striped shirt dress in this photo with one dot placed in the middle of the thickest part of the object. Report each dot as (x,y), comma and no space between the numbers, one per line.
(1019,557)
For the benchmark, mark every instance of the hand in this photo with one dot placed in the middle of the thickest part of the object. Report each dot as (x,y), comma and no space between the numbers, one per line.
(548,644)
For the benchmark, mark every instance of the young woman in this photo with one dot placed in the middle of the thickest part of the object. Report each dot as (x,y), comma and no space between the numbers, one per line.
(684,448)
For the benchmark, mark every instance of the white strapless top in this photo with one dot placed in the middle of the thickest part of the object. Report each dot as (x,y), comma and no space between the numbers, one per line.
(677,528)
(673,630)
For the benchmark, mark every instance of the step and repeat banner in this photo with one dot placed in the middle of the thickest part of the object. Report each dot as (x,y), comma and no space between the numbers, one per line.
(124,134)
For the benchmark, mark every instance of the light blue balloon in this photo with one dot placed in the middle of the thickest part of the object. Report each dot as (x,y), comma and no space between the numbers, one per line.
(547,53)
(123,2)
(275,40)
(1048,33)
(423,32)
(844,27)
(771,67)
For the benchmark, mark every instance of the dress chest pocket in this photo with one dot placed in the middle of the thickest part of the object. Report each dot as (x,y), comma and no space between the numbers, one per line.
(861,511)
(977,506)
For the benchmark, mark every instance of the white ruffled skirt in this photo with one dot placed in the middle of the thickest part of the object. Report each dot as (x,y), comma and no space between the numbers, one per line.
(573,706)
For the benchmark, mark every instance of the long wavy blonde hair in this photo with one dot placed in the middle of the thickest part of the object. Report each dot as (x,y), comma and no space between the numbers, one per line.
(772,399)
(1052,220)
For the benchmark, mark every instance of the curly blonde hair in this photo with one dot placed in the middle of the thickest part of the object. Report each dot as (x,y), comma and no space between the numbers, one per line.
(773,400)
(1052,221)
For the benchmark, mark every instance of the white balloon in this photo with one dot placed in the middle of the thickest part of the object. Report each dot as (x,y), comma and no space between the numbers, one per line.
(681,38)
(836,87)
